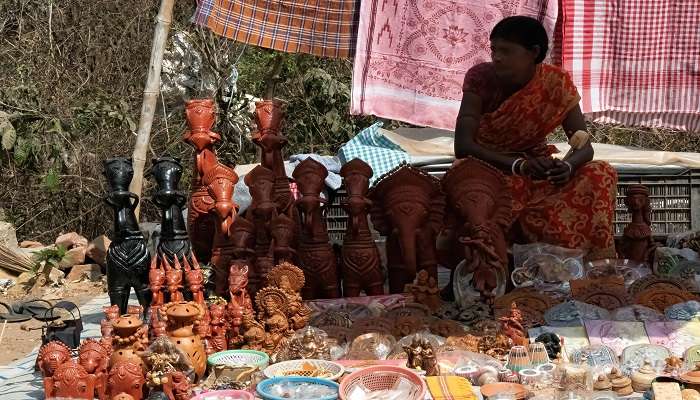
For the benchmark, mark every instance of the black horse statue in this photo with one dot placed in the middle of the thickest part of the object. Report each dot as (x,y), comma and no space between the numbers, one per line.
(174,241)
(128,257)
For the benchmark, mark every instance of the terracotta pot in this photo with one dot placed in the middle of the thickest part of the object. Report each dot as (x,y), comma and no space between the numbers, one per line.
(181,317)
(129,337)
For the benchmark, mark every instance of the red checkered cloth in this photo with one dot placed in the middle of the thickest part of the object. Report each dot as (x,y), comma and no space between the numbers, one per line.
(325,28)
(635,62)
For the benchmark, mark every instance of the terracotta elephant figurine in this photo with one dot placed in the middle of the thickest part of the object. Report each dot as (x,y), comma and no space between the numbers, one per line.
(408,207)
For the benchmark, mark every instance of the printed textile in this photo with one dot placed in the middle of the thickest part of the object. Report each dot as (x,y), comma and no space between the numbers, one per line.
(324,28)
(635,62)
(412,55)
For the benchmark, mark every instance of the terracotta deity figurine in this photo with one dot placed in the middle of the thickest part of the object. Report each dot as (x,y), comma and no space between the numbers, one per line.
(478,195)
(268,118)
(317,258)
(262,209)
(637,242)
(408,208)
(253,332)
(512,326)
(128,378)
(173,276)
(235,315)
(290,279)
(174,242)
(200,115)
(50,357)
(219,327)
(94,358)
(360,260)
(127,256)
(425,291)
(178,386)
(271,303)
(70,380)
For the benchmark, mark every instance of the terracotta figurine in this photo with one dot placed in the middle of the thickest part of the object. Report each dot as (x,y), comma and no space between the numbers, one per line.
(94,358)
(272,302)
(173,277)
(260,182)
(50,357)
(238,284)
(478,195)
(408,208)
(70,380)
(290,279)
(317,258)
(195,280)
(129,338)
(126,377)
(283,230)
(156,282)
(425,291)
(157,324)
(637,243)
(219,327)
(360,260)
(111,313)
(127,256)
(181,318)
(242,233)
(512,326)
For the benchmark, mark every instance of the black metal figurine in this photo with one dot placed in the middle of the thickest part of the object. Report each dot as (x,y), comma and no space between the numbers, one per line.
(174,241)
(128,257)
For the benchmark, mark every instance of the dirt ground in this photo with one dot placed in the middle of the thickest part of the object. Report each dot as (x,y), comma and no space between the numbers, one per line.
(16,342)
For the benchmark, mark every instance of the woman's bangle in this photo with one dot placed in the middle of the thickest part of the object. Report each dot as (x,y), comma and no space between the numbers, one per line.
(515,164)
(571,167)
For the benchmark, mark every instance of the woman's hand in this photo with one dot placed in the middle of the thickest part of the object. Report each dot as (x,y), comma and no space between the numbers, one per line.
(538,167)
(560,173)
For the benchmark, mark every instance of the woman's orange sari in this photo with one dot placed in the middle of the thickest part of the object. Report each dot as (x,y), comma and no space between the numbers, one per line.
(577,215)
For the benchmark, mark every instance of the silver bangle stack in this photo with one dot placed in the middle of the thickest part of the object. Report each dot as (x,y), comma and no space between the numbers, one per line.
(515,164)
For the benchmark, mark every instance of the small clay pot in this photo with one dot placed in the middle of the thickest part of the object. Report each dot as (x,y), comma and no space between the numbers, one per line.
(642,378)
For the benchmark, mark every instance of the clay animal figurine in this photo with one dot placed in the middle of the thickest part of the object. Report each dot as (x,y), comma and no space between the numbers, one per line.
(479,197)
(408,207)
(174,242)
(200,115)
(94,358)
(242,234)
(512,326)
(50,357)
(283,230)
(238,287)
(318,261)
(360,260)
(128,378)
(72,381)
(637,243)
(425,291)
(260,182)
(127,257)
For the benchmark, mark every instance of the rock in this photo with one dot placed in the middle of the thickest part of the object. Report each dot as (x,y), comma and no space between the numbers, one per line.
(55,278)
(97,249)
(30,244)
(8,235)
(71,240)
(74,256)
(26,278)
(90,272)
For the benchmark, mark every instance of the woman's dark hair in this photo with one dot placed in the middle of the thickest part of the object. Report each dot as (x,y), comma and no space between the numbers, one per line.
(525,31)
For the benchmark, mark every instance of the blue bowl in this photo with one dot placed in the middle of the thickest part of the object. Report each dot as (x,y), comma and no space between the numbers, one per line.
(263,387)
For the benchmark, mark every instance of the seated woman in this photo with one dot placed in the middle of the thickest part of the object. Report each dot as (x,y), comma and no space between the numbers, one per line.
(509,107)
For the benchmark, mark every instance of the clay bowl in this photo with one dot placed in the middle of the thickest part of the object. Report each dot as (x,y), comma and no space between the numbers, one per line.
(492,389)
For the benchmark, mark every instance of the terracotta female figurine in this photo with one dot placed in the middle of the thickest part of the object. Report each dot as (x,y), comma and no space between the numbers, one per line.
(128,256)
(271,302)
(253,332)
(50,357)
(637,242)
(360,261)
(425,291)
(316,254)
(512,326)
(126,377)
(290,279)
(94,357)
(72,381)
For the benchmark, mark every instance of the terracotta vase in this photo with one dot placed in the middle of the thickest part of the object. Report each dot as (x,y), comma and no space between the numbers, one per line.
(478,195)
(408,208)
(128,256)
(318,260)
(126,378)
(129,338)
(50,357)
(200,115)
(637,242)
(181,317)
(174,242)
(360,260)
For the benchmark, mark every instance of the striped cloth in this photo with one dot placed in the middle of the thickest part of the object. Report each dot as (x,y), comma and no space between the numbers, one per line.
(635,62)
(450,388)
(324,28)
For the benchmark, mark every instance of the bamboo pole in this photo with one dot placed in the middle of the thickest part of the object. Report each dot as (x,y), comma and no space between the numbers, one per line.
(150,95)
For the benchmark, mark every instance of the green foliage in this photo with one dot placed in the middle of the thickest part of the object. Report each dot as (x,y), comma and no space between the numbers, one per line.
(49,257)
